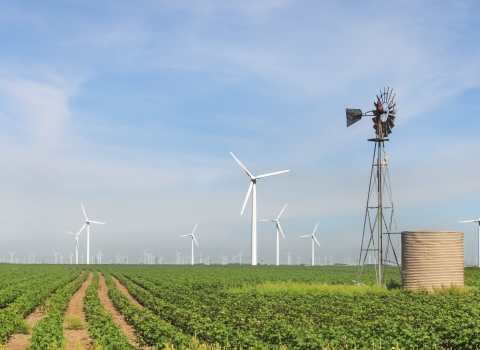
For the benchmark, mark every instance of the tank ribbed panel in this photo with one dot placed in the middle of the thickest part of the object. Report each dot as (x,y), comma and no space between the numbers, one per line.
(432,259)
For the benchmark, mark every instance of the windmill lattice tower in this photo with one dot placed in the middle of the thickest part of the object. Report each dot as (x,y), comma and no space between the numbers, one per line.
(379,212)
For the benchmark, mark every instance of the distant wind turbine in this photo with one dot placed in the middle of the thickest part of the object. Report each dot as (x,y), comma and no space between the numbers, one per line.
(313,244)
(11,257)
(289,258)
(87,224)
(279,228)
(56,256)
(253,188)
(478,220)
(76,244)
(193,239)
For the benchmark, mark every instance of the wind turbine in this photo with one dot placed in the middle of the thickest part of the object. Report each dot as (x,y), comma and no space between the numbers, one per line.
(71,258)
(289,258)
(299,259)
(56,256)
(178,257)
(87,223)
(313,243)
(253,188)
(478,220)
(76,244)
(277,224)
(61,258)
(11,257)
(193,239)
(240,255)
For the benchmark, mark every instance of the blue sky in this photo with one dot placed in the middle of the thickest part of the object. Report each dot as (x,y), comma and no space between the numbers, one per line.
(131,109)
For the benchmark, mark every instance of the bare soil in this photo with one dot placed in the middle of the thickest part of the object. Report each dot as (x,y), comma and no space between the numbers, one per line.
(118,318)
(125,292)
(75,308)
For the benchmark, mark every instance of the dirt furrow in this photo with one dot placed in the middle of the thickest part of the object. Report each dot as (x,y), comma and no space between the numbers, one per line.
(125,292)
(75,309)
(118,318)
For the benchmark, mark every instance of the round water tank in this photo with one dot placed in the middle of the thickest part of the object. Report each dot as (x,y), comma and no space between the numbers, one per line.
(432,259)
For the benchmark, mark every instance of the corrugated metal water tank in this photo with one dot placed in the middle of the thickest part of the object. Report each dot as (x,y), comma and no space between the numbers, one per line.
(432,259)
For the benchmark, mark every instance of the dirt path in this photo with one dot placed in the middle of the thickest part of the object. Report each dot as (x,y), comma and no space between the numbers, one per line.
(117,316)
(21,341)
(75,308)
(125,292)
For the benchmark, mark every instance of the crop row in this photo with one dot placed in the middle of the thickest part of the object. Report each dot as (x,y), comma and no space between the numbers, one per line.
(48,332)
(101,327)
(150,329)
(201,301)
(13,314)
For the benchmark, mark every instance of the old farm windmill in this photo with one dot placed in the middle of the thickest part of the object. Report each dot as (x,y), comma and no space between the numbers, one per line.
(379,213)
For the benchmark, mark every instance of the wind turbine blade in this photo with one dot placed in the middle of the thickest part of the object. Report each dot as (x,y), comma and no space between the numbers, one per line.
(241,165)
(280,228)
(267,220)
(315,229)
(281,211)
(195,240)
(305,236)
(271,174)
(182,236)
(71,233)
(246,198)
(96,222)
(83,227)
(316,240)
(84,212)
(471,220)
(194,228)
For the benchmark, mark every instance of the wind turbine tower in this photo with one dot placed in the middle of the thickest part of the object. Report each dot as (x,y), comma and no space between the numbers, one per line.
(253,189)
(11,257)
(279,228)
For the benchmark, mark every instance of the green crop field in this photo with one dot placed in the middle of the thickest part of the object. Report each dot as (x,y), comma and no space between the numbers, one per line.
(220,307)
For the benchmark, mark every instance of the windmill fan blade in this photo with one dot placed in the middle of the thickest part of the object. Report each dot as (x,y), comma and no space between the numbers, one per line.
(246,198)
(315,229)
(281,211)
(316,241)
(280,228)
(272,174)
(305,236)
(195,240)
(241,165)
(70,233)
(180,236)
(478,220)
(353,116)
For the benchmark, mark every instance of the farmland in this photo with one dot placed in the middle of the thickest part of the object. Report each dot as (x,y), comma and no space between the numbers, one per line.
(288,307)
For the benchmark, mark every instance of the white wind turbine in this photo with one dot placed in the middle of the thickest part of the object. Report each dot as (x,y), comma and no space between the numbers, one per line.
(56,256)
(87,224)
(289,258)
(478,220)
(313,244)
(240,255)
(253,188)
(193,239)
(277,224)
(11,257)
(76,244)
(71,258)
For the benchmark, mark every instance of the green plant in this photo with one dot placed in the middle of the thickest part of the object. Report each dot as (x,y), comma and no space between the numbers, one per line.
(73,322)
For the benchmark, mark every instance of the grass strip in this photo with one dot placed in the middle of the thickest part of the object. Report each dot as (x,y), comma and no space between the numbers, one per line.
(48,332)
(12,316)
(150,329)
(101,327)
